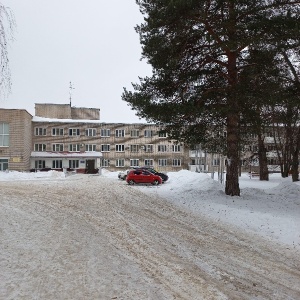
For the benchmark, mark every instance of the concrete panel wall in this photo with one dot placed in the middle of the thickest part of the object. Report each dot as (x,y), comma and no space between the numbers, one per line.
(65,111)
(55,111)
(83,113)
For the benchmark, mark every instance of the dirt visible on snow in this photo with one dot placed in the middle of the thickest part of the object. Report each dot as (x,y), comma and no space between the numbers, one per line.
(91,237)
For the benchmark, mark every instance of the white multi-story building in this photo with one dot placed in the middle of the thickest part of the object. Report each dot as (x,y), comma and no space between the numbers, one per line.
(63,137)
(60,136)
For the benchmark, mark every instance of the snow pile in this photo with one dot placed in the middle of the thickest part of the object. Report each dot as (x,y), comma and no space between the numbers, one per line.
(14,175)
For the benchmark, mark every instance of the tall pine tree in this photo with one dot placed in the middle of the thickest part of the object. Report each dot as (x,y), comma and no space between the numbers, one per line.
(197,50)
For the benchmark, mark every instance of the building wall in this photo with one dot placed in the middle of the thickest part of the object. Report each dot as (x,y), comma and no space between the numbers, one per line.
(20,138)
(55,111)
(85,113)
(146,147)
(49,139)
(65,111)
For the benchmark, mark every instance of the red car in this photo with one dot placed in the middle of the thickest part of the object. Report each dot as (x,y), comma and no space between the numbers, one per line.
(142,176)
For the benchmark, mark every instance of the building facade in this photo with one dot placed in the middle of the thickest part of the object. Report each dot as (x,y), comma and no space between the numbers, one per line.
(63,137)
(15,139)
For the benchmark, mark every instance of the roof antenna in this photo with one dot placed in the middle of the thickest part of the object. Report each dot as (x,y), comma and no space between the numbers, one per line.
(70,92)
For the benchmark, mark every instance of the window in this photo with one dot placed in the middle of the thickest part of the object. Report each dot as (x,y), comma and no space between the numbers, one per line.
(162,162)
(74,163)
(271,147)
(120,162)
(148,162)
(216,162)
(3,164)
(135,133)
(254,136)
(134,163)
(90,132)
(120,148)
(273,161)
(148,148)
(39,147)
(134,148)
(39,164)
(57,164)
(105,148)
(176,162)
(105,163)
(162,134)
(57,131)
(58,147)
(4,134)
(148,133)
(74,131)
(40,131)
(162,148)
(120,132)
(176,148)
(74,147)
(198,161)
(90,148)
(105,132)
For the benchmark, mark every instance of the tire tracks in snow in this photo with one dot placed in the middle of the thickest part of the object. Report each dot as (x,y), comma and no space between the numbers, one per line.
(186,256)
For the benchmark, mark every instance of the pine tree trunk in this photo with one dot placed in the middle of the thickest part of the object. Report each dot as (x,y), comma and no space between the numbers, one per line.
(263,161)
(233,115)
(295,165)
(232,176)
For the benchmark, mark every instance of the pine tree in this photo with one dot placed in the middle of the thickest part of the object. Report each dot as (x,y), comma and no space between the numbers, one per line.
(197,50)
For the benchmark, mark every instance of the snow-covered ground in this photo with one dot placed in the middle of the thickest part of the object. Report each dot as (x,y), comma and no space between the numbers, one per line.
(268,208)
(76,236)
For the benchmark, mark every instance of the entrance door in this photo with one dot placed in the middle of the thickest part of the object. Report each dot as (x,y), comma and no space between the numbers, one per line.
(90,166)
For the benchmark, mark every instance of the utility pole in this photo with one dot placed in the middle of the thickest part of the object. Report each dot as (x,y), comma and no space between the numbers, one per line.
(70,92)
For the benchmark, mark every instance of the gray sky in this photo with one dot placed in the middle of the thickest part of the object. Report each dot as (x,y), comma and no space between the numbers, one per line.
(91,43)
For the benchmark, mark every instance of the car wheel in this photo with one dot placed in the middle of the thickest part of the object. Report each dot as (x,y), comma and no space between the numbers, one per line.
(155,182)
(131,182)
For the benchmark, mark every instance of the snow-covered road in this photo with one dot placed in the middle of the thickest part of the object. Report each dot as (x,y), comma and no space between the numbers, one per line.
(92,237)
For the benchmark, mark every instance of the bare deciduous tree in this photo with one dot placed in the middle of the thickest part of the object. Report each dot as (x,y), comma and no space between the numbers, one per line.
(7,26)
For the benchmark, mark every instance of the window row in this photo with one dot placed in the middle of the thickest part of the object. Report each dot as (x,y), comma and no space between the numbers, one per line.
(203,161)
(107,147)
(74,163)
(135,133)
(61,147)
(56,164)
(145,148)
(146,162)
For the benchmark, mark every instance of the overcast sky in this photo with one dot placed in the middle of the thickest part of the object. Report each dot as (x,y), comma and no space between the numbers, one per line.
(91,43)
